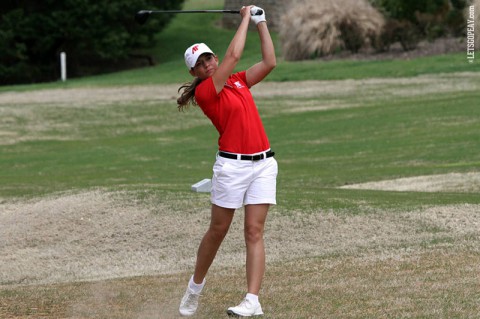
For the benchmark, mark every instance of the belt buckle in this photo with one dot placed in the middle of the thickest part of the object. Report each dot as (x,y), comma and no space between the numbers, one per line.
(258,157)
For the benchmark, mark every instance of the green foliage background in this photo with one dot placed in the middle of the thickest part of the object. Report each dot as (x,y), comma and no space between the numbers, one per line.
(432,18)
(94,33)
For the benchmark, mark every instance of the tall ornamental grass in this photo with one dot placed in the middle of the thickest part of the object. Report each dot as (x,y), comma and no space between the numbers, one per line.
(318,28)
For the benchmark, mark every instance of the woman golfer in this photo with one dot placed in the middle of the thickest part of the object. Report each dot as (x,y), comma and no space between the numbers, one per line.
(245,171)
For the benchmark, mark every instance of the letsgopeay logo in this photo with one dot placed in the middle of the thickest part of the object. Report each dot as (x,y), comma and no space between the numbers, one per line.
(471,35)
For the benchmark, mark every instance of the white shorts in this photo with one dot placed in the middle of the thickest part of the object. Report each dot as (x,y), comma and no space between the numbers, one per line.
(241,182)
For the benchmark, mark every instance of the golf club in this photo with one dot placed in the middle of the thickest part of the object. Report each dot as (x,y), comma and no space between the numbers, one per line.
(142,16)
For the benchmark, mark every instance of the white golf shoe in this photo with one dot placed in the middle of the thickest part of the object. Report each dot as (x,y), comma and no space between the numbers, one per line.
(189,303)
(246,309)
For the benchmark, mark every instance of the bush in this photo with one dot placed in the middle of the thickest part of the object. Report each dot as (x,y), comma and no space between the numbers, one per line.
(406,9)
(432,18)
(476,19)
(352,39)
(313,28)
(455,19)
(402,31)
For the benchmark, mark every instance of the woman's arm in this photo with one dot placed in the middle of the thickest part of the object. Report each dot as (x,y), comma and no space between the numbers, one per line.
(234,52)
(259,71)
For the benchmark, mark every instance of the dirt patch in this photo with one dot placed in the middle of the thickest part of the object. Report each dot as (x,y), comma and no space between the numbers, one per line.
(98,235)
(452,182)
(90,96)
(424,48)
(89,236)
(375,87)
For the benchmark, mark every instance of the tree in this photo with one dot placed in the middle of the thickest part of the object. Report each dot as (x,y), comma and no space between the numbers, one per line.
(96,34)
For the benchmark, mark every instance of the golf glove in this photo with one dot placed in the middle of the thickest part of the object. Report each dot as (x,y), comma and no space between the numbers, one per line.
(257,18)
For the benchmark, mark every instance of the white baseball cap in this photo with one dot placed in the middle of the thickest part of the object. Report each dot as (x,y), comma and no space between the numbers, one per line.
(194,52)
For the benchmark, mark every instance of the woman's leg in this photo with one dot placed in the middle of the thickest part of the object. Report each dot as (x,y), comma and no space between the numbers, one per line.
(255,216)
(219,224)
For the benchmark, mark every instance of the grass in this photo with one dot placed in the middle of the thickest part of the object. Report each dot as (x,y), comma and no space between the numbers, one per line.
(112,145)
(366,254)
(382,139)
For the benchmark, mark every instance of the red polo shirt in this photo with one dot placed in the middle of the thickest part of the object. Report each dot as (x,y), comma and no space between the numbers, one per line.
(234,114)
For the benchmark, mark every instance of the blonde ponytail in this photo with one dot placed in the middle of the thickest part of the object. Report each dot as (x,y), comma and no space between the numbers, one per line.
(188,95)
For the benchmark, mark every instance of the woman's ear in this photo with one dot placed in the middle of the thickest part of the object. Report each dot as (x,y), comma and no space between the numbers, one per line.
(192,73)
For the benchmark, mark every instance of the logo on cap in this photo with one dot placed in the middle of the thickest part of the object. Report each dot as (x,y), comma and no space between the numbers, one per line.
(193,52)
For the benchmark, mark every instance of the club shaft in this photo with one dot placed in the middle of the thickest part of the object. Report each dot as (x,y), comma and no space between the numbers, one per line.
(190,11)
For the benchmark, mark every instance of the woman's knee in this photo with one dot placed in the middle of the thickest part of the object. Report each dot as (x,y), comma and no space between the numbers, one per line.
(253,233)
(220,222)
(218,232)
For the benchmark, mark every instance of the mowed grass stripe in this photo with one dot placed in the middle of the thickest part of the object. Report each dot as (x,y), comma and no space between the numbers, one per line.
(404,137)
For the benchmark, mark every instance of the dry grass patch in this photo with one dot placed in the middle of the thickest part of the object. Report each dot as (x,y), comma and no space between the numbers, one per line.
(92,236)
(91,96)
(372,88)
(428,284)
(129,255)
(452,182)
(440,283)
(136,298)
(99,235)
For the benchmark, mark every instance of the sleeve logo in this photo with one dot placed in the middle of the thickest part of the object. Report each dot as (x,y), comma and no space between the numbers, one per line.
(238,85)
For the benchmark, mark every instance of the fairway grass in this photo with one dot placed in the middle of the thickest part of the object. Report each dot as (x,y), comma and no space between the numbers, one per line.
(97,219)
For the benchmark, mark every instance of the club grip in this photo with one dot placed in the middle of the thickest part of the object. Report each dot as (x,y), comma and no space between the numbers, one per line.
(258,12)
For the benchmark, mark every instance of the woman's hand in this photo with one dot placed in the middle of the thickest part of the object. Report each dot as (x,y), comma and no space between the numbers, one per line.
(257,15)
(245,12)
